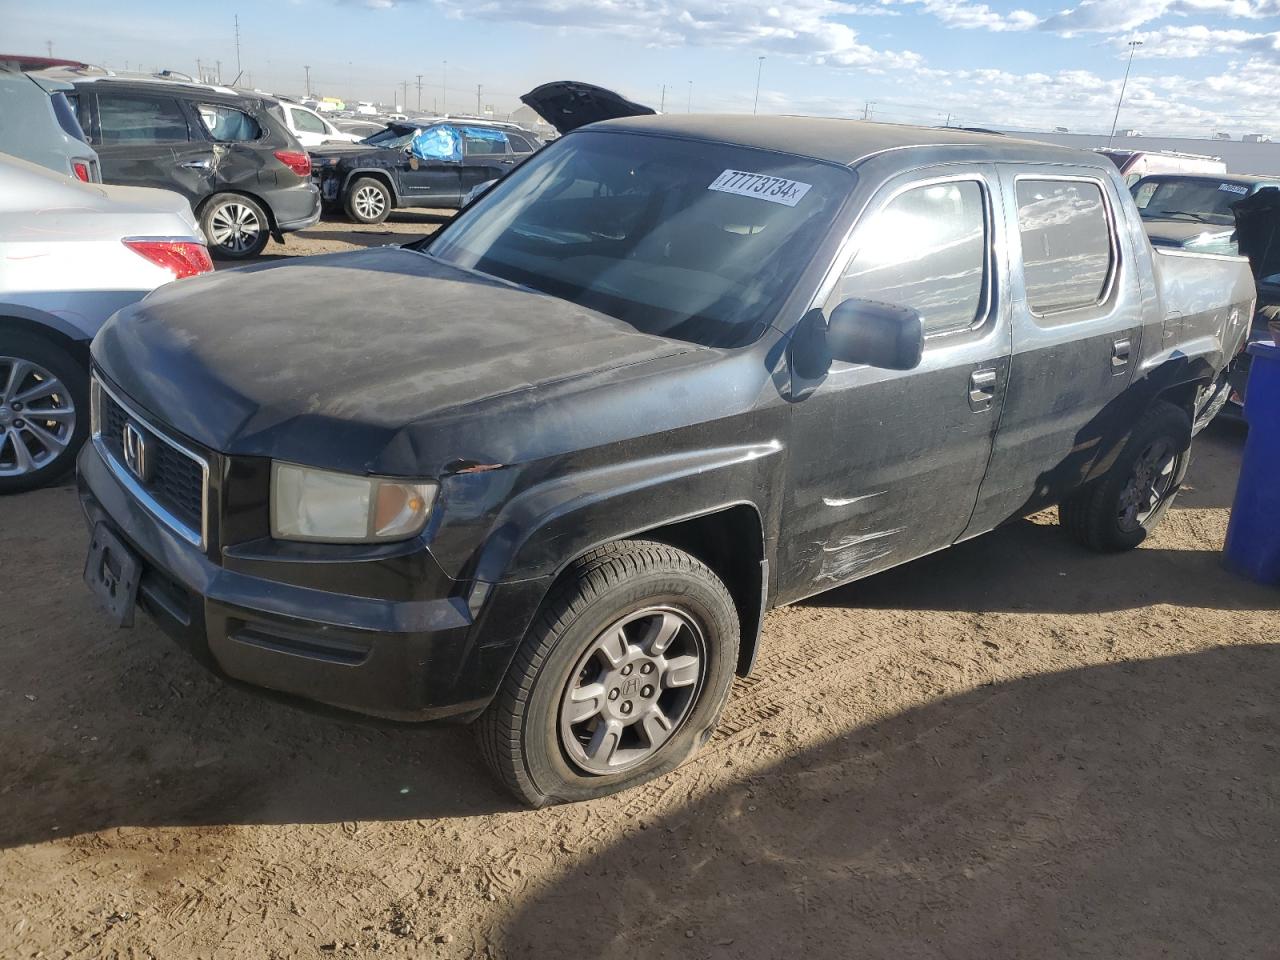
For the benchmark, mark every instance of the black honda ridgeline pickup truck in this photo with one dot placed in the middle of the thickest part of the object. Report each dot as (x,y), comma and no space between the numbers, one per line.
(548,471)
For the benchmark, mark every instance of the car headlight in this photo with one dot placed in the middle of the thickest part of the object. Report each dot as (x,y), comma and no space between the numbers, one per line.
(310,504)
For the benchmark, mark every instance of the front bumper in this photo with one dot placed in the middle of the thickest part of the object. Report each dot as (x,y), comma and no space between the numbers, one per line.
(401,659)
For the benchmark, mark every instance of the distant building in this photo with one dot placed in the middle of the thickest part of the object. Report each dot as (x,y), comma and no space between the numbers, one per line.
(1061,130)
(1256,138)
(1130,133)
(1221,136)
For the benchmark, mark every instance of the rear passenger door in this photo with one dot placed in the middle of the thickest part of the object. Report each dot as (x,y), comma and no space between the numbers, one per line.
(1077,330)
(885,465)
(145,140)
(485,156)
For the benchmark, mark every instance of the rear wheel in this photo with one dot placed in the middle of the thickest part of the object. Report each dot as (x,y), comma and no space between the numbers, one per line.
(235,226)
(622,676)
(1118,511)
(368,200)
(44,412)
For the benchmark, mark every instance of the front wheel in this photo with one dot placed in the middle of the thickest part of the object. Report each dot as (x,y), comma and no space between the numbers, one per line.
(1118,511)
(622,676)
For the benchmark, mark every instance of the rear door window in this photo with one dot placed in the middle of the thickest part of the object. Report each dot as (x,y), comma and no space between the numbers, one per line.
(307,122)
(227,124)
(927,248)
(136,118)
(519,144)
(483,141)
(1067,247)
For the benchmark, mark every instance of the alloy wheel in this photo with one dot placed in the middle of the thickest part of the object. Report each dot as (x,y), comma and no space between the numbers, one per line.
(234,227)
(631,690)
(369,202)
(1148,485)
(37,417)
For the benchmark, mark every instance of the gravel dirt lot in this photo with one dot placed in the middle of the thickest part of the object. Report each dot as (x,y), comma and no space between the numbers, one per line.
(1013,748)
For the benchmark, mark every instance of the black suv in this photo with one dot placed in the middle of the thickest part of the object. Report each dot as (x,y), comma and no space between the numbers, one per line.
(245,175)
(411,164)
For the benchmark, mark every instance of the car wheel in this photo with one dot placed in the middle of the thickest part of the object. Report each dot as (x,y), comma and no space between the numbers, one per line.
(622,676)
(1118,511)
(44,412)
(368,201)
(235,226)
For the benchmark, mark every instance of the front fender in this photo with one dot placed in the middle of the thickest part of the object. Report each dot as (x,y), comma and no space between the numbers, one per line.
(538,532)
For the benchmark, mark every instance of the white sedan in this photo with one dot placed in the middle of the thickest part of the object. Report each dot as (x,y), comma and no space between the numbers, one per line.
(71,254)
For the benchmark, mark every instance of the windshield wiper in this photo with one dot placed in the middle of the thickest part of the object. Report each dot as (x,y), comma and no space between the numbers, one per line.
(1198,217)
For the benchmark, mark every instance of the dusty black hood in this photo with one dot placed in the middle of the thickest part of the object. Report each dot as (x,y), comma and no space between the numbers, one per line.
(328,360)
(569,104)
(1178,232)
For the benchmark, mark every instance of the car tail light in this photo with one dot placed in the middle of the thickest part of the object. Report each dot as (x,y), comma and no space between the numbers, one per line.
(82,170)
(183,258)
(295,160)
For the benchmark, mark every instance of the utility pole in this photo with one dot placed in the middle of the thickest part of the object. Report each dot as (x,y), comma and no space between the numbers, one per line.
(689,106)
(219,73)
(199,70)
(404,86)
(444,89)
(948,123)
(866,109)
(308,69)
(662,103)
(238,69)
(48,46)
(759,68)
(479,111)
(1133,46)
(419,93)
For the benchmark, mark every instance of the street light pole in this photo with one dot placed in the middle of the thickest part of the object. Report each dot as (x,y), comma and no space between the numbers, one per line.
(689,105)
(755,106)
(308,69)
(444,92)
(1133,46)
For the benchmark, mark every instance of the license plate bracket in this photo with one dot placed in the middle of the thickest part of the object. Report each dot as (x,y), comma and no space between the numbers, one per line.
(112,572)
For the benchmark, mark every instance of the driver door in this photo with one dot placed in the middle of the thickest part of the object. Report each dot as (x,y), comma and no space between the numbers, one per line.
(886,465)
(430,170)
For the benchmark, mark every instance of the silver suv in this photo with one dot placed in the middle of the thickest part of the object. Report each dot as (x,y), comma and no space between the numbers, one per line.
(38,123)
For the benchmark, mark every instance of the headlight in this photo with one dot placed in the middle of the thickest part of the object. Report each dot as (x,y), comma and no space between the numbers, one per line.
(309,504)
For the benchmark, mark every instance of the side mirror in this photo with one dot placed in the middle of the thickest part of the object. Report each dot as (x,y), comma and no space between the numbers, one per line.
(877,334)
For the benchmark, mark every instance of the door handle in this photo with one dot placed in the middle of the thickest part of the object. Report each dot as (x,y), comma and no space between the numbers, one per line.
(506,163)
(204,163)
(1120,354)
(982,389)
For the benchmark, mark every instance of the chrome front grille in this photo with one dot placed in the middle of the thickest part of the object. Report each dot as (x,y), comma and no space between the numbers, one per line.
(167,477)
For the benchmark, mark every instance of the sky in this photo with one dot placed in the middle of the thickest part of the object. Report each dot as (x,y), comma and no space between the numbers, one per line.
(1203,66)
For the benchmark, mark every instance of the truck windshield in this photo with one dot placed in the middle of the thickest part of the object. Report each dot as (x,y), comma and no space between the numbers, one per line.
(1194,199)
(685,239)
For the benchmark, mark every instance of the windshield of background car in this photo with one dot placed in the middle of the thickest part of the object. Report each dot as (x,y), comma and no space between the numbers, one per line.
(1193,199)
(685,239)
(393,138)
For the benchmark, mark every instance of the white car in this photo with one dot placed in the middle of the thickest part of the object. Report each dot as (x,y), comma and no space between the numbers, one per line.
(71,254)
(309,127)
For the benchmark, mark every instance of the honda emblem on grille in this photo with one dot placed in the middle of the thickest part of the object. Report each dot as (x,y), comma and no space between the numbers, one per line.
(136,456)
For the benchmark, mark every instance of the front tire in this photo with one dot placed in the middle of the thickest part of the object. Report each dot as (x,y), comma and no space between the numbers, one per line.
(236,226)
(1118,511)
(368,201)
(44,412)
(621,677)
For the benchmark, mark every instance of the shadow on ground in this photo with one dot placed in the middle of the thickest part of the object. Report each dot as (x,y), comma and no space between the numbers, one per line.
(1126,810)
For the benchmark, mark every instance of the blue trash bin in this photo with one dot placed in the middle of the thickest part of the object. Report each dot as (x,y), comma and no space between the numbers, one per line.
(1253,535)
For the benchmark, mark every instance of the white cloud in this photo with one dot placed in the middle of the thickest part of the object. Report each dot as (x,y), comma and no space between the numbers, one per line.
(1109,16)
(1197,40)
(806,29)
(970,16)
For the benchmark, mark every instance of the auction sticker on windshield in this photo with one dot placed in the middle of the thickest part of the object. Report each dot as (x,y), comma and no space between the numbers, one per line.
(1233,188)
(761,186)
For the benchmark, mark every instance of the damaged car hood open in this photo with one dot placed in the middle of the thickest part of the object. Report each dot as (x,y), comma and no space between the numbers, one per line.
(355,345)
(570,104)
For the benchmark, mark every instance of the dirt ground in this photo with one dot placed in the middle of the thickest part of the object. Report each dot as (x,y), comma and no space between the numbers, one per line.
(1013,748)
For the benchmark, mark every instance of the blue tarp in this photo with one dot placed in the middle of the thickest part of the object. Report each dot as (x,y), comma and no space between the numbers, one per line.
(438,143)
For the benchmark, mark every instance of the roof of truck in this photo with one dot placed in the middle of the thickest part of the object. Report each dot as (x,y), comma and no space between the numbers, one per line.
(843,141)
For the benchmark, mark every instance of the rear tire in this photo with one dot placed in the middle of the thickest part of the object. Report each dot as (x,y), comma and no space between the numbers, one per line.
(44,406)
(1119,510)
(368,200)
(236,226)
(598,631)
